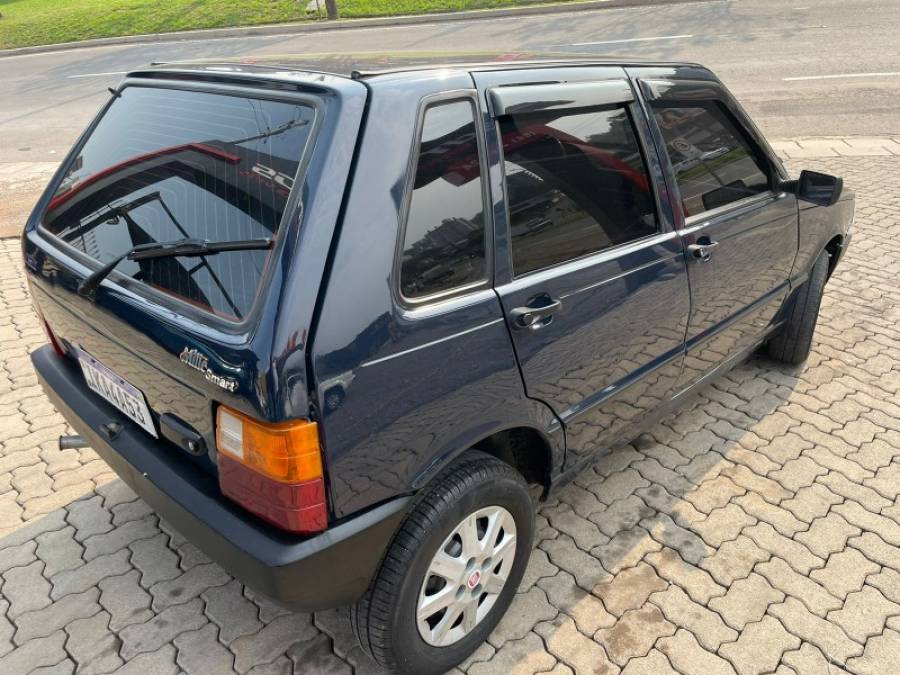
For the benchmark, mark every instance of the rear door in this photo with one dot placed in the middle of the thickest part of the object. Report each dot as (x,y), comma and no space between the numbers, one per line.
(590,274)
(739,230)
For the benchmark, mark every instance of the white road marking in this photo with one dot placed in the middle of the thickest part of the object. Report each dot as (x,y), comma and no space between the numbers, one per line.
(894,73)
(115,72)
(617,42)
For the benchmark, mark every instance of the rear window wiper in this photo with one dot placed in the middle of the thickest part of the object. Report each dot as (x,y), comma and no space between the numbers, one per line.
(169,249)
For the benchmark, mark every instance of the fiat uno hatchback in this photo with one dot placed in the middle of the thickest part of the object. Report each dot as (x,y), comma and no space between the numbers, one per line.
(341,323)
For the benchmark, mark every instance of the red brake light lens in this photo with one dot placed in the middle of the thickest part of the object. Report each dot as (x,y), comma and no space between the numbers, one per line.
(57,347)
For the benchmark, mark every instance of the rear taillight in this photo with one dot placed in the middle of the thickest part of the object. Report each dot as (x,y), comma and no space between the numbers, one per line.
(273,470)
(57,347)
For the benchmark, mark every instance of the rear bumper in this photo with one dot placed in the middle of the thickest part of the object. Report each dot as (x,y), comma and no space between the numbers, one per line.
(330,569)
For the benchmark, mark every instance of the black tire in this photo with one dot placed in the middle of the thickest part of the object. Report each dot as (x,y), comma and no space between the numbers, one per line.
(384,620)
(793,342)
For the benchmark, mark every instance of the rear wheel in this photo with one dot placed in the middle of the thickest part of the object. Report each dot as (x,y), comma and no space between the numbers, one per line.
(794,341)
(452,569)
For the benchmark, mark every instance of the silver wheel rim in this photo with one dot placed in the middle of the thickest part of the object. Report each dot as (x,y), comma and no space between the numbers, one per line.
(466,576)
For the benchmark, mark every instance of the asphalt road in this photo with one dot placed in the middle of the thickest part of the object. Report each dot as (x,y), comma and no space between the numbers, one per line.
(801,67)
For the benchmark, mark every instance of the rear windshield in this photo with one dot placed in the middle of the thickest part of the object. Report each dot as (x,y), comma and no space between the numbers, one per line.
(165,164)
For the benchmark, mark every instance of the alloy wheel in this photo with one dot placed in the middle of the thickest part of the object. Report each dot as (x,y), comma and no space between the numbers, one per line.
(466,576)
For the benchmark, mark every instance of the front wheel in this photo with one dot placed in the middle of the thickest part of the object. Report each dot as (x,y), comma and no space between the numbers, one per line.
(451,571)
(793,342)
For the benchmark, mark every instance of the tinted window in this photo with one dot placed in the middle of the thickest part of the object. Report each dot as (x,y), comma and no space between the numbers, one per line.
(714,163)
(575,184)
(163,165)
(443,247)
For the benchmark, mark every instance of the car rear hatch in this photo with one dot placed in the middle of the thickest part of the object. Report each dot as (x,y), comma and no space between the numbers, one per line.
(207,154)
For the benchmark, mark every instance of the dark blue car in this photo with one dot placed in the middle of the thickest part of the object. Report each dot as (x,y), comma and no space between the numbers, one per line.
(342,323)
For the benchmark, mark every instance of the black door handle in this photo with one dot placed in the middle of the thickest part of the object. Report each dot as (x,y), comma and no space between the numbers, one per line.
(534,317)
(701,250)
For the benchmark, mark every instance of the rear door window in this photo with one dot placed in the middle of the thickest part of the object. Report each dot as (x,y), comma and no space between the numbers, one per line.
(444,238)
(168,164)
(714,163)
(576,183)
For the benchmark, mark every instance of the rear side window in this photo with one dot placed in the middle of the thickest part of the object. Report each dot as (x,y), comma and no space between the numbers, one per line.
(165,164)
(576,183)
(444,238)
(714,163)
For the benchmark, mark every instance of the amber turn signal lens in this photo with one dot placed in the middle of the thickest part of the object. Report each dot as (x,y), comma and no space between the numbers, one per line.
(287,452)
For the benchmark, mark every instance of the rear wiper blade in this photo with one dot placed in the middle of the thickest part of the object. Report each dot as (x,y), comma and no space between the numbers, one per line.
(184,248)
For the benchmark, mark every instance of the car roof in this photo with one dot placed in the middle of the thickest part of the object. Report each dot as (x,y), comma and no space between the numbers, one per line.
(369,65)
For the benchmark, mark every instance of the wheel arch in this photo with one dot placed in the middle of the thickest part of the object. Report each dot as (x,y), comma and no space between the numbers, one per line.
(834,247)
(525,449)
(537,454)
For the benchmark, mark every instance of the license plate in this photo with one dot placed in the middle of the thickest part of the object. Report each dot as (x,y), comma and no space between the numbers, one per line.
(117,390)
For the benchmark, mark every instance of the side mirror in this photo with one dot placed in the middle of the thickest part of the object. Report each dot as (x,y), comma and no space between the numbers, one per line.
(819,188)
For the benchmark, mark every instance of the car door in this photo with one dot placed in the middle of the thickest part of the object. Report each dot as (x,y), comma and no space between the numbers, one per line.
(589,271)
(739,228)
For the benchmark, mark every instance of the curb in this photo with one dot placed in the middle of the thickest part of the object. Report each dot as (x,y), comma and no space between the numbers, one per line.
(314,25)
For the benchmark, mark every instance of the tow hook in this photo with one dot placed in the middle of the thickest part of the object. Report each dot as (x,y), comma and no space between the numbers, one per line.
(70,442)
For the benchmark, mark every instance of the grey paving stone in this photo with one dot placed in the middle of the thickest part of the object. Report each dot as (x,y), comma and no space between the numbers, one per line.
(155,560)
(316,656)
(280,666)
(89,574)
(43,622)
(586,609)
(525,655)
(17,556)
(125,601)
(88,517)
(128,511)
(526,610)
(200,652)
(759,648)
(119,537)
(159,662)
(235,615)
(150,636)
(46,651)
(268,610)
(563,553)
(26,589)
(188,586)
(64,667)
(59,550)
(274,638)
(634,634)
(188,554)
(828,637)
(746,601)
(93,646)
(707,626)
(336,624)
(116,492)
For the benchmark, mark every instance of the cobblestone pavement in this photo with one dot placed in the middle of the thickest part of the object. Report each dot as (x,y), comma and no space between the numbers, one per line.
(757,531)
